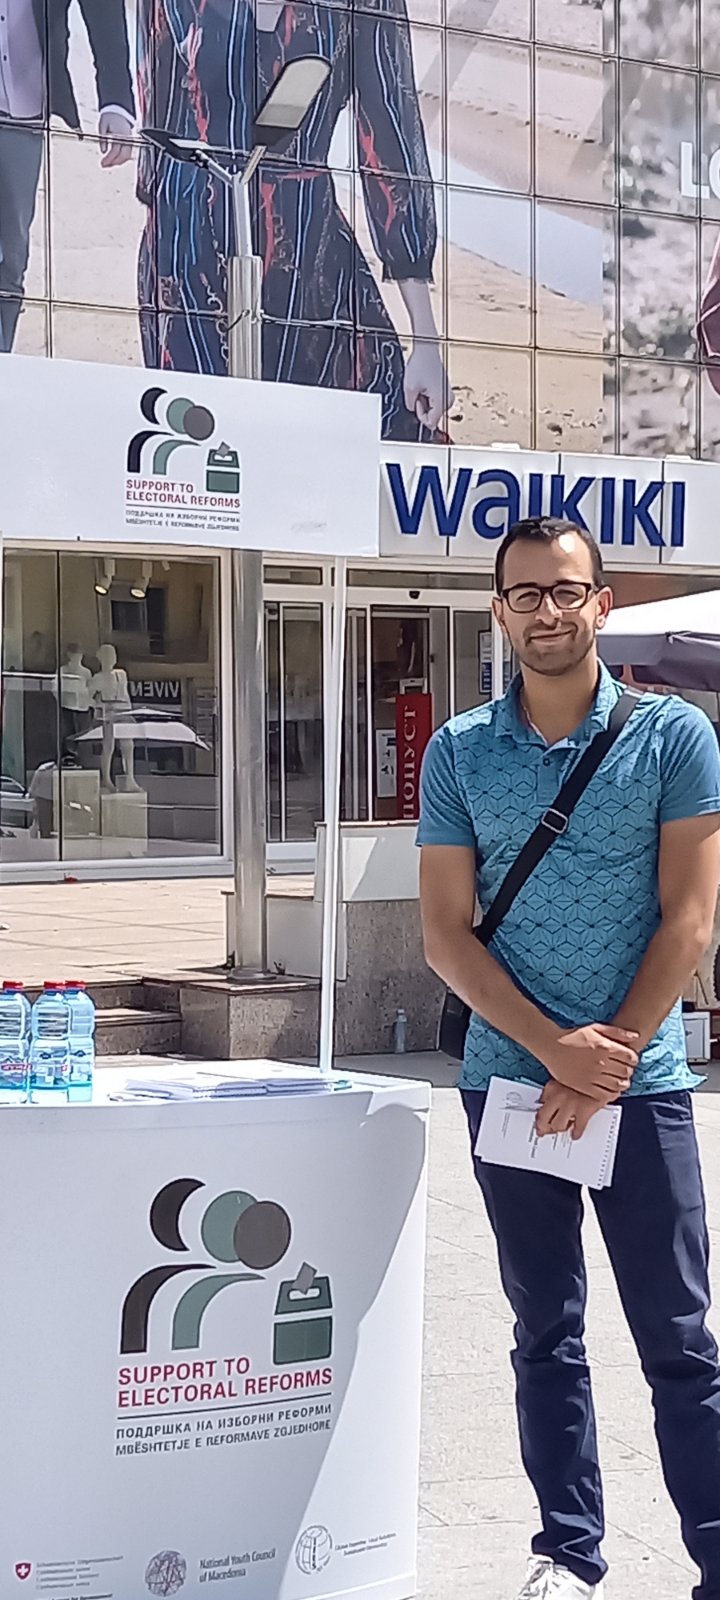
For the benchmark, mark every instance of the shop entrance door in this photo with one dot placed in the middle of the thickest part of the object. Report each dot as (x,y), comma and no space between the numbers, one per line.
(397,676)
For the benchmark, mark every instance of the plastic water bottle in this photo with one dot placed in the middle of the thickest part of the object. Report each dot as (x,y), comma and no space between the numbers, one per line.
(14,1044)
(81,1040)
(50,1046)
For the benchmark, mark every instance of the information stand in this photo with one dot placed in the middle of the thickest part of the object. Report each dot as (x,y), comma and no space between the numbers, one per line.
(211,1340)
(210,1348)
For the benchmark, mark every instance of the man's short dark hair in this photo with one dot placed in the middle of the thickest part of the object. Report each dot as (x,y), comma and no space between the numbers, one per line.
(545,530)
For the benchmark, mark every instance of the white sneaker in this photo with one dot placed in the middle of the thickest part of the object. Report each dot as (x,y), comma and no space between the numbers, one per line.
(546,1581)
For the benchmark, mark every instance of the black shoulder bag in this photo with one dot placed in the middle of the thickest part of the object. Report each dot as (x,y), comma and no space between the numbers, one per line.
(455,1017)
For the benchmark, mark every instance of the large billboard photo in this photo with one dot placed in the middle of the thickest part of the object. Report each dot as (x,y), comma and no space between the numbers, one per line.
(503,217)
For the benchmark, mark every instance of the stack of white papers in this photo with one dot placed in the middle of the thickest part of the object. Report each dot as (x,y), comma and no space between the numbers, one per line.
(235,1082)
(507,1138)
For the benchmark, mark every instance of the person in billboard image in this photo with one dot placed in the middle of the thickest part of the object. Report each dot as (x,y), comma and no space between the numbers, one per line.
(709,322)
(204,66)
(35,83)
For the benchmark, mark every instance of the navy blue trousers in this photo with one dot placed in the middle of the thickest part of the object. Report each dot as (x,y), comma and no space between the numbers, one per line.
(653,1223)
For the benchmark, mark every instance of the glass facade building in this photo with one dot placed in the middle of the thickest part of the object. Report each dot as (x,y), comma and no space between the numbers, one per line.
(502,216)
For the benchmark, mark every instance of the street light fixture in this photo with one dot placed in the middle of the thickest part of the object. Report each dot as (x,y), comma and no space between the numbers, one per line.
(277,119)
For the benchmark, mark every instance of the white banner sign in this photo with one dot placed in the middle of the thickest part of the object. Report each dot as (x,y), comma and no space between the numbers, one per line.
(121,455)
(210,1348)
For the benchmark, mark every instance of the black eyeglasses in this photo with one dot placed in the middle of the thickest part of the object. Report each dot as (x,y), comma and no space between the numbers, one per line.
(565,596)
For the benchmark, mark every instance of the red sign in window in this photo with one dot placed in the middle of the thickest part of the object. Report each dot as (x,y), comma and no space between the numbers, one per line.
(413,729)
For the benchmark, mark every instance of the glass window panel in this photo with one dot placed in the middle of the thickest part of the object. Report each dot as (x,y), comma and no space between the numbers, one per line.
(302,730)
(577,27)
(378,295)
(89,334)
(273,764)
(327,135)
(23,247)
(30,336)
(491,403)
(398,76)
(96,223)
(660,30)
(30,827)
(575,404)
(488,113)
(576,273)
(709,415)
(472,659)
(354,785)
(429,12)
(506,18)
(575,127)
(709,314)
(489,255)
(710,35)
(658,408)
(139,708)
(312,274)
(703,173)
(411,377)
(659,287)
(273,573)
(658,114)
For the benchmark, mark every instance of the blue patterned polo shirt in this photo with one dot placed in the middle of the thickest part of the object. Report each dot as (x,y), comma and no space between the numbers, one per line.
(576,934)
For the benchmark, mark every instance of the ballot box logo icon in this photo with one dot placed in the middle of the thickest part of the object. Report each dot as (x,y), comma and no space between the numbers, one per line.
(236,1229)
(177,423)
(23,1570)
(303,1328)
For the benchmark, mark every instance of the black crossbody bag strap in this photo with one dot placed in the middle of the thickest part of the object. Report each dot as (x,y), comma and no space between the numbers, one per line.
(455,1017)
(554,823)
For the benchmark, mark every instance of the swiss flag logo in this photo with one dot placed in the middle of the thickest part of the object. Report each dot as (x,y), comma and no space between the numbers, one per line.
(23,1570)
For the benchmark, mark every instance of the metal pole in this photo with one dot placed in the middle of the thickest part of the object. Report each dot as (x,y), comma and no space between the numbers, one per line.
(332,822)
(247,632)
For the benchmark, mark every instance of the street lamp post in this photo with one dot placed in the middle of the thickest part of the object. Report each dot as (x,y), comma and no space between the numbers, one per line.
(277,119)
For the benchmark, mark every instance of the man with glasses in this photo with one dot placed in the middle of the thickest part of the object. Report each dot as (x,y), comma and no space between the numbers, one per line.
(579,991)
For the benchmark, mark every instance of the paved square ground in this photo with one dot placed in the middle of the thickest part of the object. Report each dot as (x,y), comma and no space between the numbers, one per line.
(477,1510)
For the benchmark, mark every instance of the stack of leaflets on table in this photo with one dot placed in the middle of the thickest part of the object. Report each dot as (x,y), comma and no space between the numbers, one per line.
(234,1082)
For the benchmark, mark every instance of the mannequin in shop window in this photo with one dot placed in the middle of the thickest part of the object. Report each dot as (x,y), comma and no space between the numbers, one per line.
(111,699)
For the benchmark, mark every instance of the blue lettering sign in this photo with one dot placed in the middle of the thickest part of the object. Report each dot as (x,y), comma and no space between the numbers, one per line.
(677,515)
(476,500)
(409,517)
(568,505)
(535,494)
(607,511)
(509,502)
(636,508)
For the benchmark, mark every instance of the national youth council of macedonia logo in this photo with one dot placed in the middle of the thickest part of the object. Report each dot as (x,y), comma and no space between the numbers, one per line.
(235,1229)
(182,425)
(166,1573)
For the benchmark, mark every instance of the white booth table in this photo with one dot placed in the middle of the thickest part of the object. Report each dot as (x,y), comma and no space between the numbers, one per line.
(210,1344)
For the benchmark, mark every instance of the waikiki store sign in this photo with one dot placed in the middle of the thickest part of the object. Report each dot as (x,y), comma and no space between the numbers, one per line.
(461,503)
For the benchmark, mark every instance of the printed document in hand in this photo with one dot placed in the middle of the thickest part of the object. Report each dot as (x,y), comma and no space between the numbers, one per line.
(507,1138)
